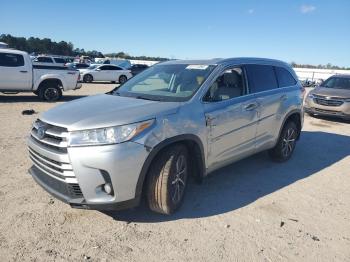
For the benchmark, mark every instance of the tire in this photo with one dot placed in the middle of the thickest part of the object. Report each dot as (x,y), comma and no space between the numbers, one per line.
(88,78)
(167,180)
(122,79)
(286,143)
(50,93)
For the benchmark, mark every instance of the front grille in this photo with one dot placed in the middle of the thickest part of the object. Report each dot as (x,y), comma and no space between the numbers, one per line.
(62,171)
(50,136)
(48,142)
(328,101)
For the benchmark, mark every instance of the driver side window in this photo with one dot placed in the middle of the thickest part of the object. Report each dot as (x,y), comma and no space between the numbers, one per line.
(229,84)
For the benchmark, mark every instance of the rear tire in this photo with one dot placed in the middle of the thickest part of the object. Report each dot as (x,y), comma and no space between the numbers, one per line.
(122,79)
(286,143)
(88,78)
(167,180)
(50,93)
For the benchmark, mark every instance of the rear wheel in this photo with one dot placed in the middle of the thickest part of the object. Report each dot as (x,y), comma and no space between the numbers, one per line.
(122,79)
(286,143)
(88,78)
(50,93)
(167,180)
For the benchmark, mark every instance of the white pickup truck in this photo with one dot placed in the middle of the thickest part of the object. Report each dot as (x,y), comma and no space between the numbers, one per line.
(18,74)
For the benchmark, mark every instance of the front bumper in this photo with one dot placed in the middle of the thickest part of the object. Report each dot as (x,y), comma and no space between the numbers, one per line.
(62,192)
(94,166)
(342,111)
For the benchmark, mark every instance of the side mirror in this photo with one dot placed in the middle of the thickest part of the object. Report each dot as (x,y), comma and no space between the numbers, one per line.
(98,69)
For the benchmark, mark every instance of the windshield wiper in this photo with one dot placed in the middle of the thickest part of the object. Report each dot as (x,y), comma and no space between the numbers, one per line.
(147,98)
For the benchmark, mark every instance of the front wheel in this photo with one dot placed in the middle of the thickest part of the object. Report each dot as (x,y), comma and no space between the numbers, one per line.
(167,180)
(286,143)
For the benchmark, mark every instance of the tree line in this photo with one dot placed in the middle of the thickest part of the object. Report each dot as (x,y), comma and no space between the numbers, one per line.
(47,46)
(327,66)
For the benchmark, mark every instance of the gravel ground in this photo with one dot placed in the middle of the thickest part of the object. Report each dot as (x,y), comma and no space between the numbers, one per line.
(253,210)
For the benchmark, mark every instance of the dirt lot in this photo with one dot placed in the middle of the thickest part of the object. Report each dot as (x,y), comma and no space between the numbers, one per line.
(253,210)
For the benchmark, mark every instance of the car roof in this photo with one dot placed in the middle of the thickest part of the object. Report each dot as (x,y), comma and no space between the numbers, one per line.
(223,61)
(13,51)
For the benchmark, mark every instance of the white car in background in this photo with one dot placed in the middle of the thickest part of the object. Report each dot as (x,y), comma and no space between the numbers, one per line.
(49,61)
(110,73)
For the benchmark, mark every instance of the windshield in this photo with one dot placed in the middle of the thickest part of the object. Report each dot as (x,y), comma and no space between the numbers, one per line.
(174,82)
(337,83)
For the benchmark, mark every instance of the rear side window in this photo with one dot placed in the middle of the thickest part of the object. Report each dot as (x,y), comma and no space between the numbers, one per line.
(11,60)
(261,78)
(284,77)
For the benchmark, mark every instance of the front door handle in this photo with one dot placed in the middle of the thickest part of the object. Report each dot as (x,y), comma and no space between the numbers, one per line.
(23,71)
(251,106)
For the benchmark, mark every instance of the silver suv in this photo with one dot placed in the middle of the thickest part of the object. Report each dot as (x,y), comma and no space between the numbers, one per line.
(174,120)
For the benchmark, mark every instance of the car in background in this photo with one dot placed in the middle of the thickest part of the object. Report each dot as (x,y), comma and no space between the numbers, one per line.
(330,98)
(110,73)
(137,68)
(77,65)
(49,61)
(124,63)
(18,74)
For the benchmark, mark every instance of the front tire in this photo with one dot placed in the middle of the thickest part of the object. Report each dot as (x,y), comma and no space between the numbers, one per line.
(286,143)
(167,180)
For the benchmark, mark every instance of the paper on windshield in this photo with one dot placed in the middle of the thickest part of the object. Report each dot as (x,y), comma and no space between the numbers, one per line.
(197,67)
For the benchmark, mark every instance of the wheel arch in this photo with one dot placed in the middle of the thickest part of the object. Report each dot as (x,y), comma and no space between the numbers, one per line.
(196,152)
(296,117)
(45,81)
(48,78)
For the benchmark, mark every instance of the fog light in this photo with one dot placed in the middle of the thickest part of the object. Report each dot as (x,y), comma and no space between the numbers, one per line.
(108,188)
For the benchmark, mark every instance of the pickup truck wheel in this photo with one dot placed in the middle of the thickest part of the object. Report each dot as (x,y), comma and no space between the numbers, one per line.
(88,78)
(167,180)
(122,79)
(50,93)
(286,143)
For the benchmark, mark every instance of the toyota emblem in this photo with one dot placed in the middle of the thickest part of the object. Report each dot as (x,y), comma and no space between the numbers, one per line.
(41,132)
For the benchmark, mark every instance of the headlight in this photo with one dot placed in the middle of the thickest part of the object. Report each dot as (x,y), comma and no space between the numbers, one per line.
(311,96)
(108,135)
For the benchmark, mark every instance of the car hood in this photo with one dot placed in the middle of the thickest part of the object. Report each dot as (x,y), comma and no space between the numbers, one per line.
(106,110)
(331,92)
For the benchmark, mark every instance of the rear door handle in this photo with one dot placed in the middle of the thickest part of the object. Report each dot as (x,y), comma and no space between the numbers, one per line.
(23,71)
(251,106)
